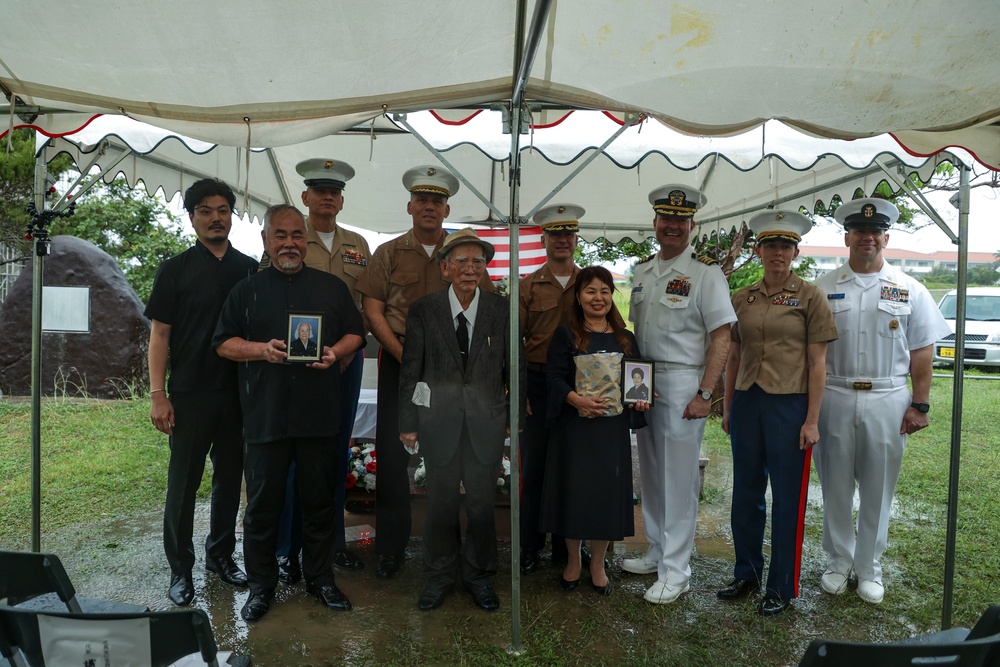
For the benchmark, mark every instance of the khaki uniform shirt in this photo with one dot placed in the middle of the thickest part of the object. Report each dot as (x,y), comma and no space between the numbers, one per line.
(542,304)
(773,332)
(347,259)
(400,272)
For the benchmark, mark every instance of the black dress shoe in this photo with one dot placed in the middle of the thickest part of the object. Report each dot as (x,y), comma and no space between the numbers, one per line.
(228,570)
(585,557)
(181,589)
(348,560)
(772,605)
(529,560)
(485,597)
(255,607)
(387,567)
(289,570)
(331,596)
(567,584)
(605,589)
(737,588)
(433,597)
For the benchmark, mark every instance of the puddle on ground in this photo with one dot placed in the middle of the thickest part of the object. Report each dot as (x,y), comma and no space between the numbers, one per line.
(123,560)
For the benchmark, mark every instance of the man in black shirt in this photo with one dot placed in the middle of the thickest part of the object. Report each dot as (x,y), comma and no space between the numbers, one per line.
(286,406)
(202,413)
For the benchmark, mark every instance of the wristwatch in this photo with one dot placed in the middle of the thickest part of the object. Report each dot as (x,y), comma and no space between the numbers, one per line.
(921,407)
(704,393)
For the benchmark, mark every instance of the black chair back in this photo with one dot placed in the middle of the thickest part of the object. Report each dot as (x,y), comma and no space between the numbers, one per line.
(171,636)
(24,575)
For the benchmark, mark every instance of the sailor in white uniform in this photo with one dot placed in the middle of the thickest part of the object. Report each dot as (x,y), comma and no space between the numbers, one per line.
(887,324)
(682,313)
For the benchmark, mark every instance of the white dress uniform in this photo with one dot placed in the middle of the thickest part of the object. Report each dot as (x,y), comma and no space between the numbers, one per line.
(878,323)
(674,310)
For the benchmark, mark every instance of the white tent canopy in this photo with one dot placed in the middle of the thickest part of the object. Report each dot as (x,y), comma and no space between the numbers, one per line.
(221,71)
(769,165)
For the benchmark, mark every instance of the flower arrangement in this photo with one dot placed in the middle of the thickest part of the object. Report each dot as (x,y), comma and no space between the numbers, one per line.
(503,480)
(361,468)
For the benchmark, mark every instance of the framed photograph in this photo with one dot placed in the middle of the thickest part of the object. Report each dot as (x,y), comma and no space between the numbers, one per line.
(305,337)
(637,381)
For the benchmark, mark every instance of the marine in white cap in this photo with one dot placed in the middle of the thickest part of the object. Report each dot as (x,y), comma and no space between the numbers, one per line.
(888,325)
(774,386)
(681,310)
(400,272)
(544,296)
(343,253)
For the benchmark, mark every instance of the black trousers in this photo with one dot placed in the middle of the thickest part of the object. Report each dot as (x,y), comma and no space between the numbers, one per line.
(266,472)
(442,531)
(392,493)
(534,441)
(207,423)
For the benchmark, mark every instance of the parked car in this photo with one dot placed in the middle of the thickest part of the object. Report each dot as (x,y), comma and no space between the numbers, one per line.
(982,327)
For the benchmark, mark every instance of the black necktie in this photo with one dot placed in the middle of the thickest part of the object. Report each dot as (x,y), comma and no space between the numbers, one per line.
(463,337)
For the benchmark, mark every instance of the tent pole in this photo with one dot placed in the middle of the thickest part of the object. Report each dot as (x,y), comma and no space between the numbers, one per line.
(907,186)
(41,245)
(958,388)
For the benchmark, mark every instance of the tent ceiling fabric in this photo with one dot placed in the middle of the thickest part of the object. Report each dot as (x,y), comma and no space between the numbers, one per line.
(854,69)
(740,174)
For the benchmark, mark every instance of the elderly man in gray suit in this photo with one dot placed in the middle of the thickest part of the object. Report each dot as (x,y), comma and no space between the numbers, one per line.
(453,396)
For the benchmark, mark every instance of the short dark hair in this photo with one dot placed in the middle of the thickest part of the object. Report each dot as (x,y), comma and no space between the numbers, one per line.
(638,371)
(207,187)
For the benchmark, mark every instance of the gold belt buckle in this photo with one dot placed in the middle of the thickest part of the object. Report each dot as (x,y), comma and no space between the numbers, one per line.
(863,386)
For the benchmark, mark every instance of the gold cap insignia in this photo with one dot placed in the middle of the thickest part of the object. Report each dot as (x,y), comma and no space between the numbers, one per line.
(328,164)
(868,210)
(432,171)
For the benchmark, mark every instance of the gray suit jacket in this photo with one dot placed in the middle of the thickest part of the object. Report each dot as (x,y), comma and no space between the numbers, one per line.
(476,395)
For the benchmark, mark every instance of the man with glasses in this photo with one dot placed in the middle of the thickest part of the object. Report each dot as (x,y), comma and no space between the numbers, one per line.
(400,272)
(887,323)
(201,414)
(453,396)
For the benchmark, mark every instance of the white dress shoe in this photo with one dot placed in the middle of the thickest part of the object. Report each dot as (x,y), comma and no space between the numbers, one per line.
(644,565)
(871,591)
(833,583)
(663,593)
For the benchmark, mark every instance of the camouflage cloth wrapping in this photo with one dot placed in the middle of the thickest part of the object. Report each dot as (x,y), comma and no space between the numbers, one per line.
(599,375)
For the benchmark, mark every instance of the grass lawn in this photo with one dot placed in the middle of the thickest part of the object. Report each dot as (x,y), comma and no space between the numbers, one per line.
(103,460)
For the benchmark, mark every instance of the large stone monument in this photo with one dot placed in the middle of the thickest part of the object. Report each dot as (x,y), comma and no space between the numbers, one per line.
(107,362)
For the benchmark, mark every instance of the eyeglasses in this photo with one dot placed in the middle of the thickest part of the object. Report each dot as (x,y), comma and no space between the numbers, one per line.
(223,211)
(477,263)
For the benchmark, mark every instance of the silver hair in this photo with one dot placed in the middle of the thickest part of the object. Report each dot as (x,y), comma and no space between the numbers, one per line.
(275,210)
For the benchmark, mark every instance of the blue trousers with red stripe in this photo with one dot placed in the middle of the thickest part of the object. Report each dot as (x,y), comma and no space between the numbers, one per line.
(764,432)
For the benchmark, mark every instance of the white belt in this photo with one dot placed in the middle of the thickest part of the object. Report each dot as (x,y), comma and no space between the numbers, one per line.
(866,384)
(671,366)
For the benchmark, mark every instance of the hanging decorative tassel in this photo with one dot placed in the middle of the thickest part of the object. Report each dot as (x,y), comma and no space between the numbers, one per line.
(246,176)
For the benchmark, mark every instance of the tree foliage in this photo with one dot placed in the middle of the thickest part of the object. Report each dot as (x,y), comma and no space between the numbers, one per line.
(135,228)
(603,250)
(17,187)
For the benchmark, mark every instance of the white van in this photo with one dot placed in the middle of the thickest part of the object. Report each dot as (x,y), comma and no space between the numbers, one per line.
(982,327)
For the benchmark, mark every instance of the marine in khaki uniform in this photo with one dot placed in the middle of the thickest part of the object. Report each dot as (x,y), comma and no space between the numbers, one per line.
(544,296)
(343,253)
(400,272)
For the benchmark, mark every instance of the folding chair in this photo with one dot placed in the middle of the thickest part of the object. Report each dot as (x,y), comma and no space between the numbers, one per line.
(980,646)
(38,581)
(30,638)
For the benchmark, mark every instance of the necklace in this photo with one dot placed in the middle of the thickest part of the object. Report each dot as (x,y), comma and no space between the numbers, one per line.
(593,330)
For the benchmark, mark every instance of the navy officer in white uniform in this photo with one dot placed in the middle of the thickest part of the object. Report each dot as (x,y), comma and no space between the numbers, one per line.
(887,324)
(681,311)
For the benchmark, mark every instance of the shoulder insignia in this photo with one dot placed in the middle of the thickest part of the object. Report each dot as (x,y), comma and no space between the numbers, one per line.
(705,259)
(645,259)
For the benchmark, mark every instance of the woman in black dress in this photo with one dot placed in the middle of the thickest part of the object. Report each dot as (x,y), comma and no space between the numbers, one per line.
(588,474)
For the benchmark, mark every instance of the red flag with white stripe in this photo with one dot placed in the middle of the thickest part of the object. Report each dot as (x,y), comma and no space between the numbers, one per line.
(531,253)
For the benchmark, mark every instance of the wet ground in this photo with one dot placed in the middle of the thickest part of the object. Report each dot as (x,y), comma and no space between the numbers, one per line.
(123,560)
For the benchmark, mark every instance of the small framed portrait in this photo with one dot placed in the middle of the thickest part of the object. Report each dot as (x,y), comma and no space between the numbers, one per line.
(637,381)
(305,337)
